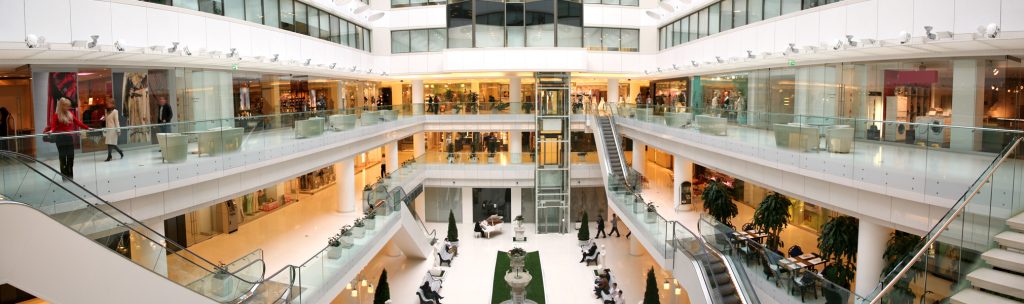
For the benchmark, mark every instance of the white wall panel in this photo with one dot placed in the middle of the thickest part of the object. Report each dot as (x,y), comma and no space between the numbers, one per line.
(862,20)
(832,25)
(936,13)
(1010,11)
(194,29)
(894,16)
(50,19)
(804,28)
(218,35)
(162,28)
(88,18)
(241,38)
(969,14)
(12,21)
(128,23)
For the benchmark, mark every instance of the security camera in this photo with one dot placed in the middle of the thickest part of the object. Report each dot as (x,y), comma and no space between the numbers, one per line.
(694,63)
(719,59)
(675,67)
(791,50)
(275,58)
(989,31)
(352,69)
(928,32)
(750,54)
(120,45)
(174,47)
(903,37)
(233,53)
(647,72)
(186,51)
(333,65)
(369,71)
(308,61)
(33,41)
(849,41)
(94,40)
(659,69)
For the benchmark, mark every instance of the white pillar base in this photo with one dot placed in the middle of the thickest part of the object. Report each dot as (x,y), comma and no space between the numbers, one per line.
(871,239)
(346,173)
(392,250)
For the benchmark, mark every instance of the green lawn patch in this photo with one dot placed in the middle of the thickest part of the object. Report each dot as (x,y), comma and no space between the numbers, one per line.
(535,291)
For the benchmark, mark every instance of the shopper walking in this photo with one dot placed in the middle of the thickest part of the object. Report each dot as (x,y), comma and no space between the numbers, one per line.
(600,227)
(383,165)
(63,121)
(112,122)
(615,225)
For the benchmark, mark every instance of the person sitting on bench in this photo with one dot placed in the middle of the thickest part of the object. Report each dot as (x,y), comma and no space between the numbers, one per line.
(429,293)
(590,252)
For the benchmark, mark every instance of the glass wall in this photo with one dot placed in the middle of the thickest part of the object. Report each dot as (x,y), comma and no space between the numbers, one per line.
(417,41)
(289,15)
(411,3)
(614,2)
(611,39)
(724,15)
(535,23)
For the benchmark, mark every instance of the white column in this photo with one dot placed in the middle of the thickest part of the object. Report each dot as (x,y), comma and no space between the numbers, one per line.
(515,94)
(517,202)
(396,93)
(149,253)
(635,248)
(515,146)
(419,144)
(346,173)
(420,205)
(968,102)
(392,157)
(417,97)
(639,156)
(467,206)
(871,239)
(613,92)
(682,170)
(392,250)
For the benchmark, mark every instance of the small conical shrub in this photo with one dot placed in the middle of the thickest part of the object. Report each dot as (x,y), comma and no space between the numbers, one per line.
(453,230)
(383,292)
(651,294)
(584,233)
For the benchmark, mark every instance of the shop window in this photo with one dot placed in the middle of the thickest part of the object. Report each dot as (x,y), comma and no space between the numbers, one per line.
(460,24)
(419,41)
(287,15)
(490,19)
(772,8)
(325,25)
(313,21)
(438,39)
(270,13)
(739,9)
(215,7)
(790,6)
(301,26)
(515,33)
(726,15)
(714,19)
(234,9)
(335,35)
(570,24)
(399,42)
(254,11)
(693,27)
(755,11)
(540,23)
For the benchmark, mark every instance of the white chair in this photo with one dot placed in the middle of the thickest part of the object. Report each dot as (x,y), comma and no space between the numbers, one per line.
(796,136)
(839,139)
(309,128)
(341,122)
(712,125)
(173,146)
(423,299)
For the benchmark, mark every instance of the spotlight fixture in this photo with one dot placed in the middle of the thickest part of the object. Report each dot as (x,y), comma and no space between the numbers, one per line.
(659,69)
(667,6)
(186,51)
(233,53)
(903,37)
(353,69)
(275,58)
(33,41)
(332,65)
(790,50)
(308,61)
(94,39)
(694,63)
(675,67)
(375,16)
(989,31)
(647,72)
(120,45)
(719,59)
(928,32)
(750,54)
(360,9)
(369,71)
(850,41)
(653,14)
(174,47)
(383,74)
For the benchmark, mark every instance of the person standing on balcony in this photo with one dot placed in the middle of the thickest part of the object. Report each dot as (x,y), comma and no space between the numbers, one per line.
(383,165)
(62,121)
(112,123)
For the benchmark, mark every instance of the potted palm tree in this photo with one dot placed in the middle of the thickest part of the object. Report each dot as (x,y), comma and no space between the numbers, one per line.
(899,246)
(583,235)
(718,202)
(453,230)
(772,216)
(651,291)
(358,229)
(838,245)
(334,247)
(346,239)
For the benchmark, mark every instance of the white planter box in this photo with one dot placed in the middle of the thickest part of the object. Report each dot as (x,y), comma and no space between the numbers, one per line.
(334,252)
(370,224)
(347,241)
(358,232)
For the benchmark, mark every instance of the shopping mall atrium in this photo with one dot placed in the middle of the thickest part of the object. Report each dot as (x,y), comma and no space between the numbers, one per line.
(511,151)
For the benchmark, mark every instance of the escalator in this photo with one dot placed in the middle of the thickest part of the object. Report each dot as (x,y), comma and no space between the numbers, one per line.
(36,185)
(612,147)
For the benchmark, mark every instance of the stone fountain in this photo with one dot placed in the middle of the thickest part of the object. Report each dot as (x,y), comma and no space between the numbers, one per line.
(518,278)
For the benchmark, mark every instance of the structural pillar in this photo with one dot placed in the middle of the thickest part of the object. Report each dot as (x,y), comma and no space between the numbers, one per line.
(467,205)
(346,174)
(149,252)
(392,156)
(515,94)
(639,156)
(871,239)
(517,202)
(968,104)
(419,144)
(515,146)
(613,93)
(417,97)
(392,250)
(635,248)
(682,171)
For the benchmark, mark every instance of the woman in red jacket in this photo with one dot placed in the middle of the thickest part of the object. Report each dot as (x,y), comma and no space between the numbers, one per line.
(61,122)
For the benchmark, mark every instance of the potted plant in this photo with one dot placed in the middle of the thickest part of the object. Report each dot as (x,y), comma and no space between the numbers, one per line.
(517,259)
(900,245)
(358,229)
(334,247)
(651,291)
(453,230)
(838,244)
(383,293)
(771,217)
(519,220)
(652,213)
(718,202)
(583,235)
(346,239)
(369,221)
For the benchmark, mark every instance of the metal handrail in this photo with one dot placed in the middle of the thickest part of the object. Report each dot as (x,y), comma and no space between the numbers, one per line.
(952,214)
(728,267)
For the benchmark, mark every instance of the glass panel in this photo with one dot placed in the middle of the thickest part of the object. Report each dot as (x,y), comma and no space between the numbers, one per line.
(726,15)
(325,25)
(630,40)
(490,20)
(300,18)
(677,34)
(366,41)
(514,30)
(254,11)
(592,38)
(352,35)
(693,27)
(739,10)
(755,11)
(540,23)
(438,39)
(212,6)
(313,20)
(702,23)
(189,4)
(460,25)
(234,9)
(714,19)
(663,37)
(270,13)
(790,6)
(287,15)
(418,41)
(772,8)
(684,30)
(631,2)
(358,37)
(610,39)
(399,42)
(612,2)
(335,29)
(399,3)
(570,24)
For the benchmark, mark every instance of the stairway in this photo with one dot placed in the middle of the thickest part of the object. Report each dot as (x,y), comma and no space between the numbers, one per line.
(1002,281)
(721,282)
(611,148)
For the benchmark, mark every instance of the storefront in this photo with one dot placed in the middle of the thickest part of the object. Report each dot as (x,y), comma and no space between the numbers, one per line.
(674,92)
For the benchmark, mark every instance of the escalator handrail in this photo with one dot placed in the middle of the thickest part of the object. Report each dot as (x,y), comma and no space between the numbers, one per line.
(708,249)
(21,158)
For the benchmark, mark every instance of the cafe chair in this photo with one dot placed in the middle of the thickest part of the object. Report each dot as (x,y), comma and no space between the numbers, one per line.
(795,251)
(771,270)
(748,226)
(807,281)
